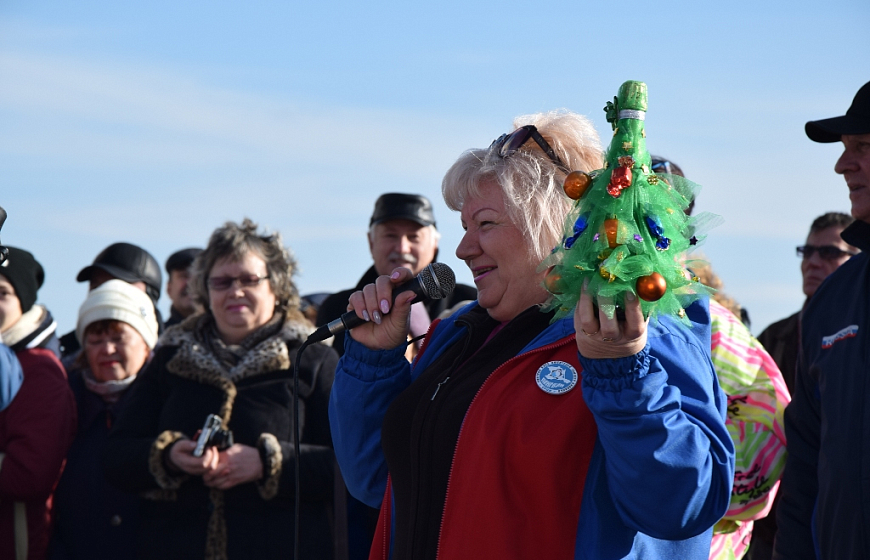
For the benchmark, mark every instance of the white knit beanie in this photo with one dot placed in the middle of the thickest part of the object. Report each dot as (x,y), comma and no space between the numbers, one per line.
(119,301)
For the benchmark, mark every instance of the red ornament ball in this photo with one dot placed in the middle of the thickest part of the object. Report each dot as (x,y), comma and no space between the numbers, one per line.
(576,184)
(652,287)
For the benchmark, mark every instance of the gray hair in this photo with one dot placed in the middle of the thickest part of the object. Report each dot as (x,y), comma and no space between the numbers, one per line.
(232,242)
(530,182)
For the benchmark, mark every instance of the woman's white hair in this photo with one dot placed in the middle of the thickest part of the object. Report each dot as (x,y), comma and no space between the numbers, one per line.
(530,182)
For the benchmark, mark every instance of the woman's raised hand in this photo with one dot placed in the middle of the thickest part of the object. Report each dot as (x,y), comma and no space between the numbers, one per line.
(387,322)
(600,336)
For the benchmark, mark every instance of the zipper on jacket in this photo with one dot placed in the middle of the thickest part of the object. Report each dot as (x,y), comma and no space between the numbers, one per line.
(548,347)
(438,388)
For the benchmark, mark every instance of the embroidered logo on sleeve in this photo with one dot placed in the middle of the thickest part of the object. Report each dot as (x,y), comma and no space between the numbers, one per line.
(556,377)
(849,332)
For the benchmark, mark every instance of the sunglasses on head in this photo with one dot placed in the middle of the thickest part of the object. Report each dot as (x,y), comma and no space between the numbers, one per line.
(221,283)
(507,144)
(826,252)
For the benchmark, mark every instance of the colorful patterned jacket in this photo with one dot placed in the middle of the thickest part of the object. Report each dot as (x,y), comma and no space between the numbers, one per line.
(757,397)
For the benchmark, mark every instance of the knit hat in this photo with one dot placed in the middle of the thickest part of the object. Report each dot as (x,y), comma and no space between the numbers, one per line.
(25,274)
(119,301)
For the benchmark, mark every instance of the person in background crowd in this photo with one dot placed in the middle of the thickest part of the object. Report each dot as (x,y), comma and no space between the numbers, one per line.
(119,261)
(401,233)
(757,397)
(235,361)
(824,252)
(178,271)
(38,425)
(93,520)
(310,305)
(822,513)
(628,456)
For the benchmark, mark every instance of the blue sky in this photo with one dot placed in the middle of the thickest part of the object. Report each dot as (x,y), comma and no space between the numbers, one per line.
(155,123)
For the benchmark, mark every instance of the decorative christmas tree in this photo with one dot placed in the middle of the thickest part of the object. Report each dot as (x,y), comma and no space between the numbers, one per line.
(627,231)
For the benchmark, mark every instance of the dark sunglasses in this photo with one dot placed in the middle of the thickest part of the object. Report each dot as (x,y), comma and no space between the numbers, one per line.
(826,252)
(507,144)
(221,283)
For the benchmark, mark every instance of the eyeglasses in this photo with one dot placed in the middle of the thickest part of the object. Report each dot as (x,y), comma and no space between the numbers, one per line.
(826,252)
(221,283)
(507,144)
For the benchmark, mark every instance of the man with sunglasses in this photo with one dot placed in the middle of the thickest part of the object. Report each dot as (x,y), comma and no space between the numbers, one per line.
(822,254)
(825,497)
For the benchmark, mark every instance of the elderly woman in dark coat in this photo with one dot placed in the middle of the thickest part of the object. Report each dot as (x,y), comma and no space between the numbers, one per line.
(117,329)
(235,360)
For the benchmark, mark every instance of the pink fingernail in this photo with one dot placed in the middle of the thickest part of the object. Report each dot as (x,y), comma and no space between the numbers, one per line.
(366,315)
(395,275)
(385,306)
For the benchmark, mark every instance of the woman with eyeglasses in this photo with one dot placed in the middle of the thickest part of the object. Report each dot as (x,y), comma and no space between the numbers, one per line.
(232,496)
(515,436)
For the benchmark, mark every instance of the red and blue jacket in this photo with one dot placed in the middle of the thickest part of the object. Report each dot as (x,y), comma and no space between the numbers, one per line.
(634,462)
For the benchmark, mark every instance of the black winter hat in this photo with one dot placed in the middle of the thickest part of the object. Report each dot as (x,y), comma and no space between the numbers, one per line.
(181,260)
(25,274)
(129,263)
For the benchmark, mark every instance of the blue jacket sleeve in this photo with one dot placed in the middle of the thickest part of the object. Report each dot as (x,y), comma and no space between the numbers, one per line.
(11,376)
(366,382)
(661,423)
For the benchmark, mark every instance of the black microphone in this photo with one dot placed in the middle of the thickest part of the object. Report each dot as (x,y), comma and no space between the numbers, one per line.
(436,281)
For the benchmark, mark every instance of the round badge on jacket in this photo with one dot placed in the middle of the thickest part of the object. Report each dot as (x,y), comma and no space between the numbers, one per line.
(556,378)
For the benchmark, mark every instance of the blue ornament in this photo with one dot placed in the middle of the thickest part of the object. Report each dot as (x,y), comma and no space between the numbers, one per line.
(579,227)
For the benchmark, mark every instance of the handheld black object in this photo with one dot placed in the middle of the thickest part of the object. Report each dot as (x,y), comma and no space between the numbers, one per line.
(436,281)
(212,435)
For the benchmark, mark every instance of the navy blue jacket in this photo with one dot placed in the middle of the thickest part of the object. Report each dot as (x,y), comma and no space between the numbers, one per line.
(825,507)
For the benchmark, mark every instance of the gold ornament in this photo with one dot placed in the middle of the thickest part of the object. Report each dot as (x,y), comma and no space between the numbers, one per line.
(576,184)
(652,287)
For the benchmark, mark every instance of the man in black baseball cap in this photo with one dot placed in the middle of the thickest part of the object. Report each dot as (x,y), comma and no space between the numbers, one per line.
(824,496)
(121,261)
(401,233)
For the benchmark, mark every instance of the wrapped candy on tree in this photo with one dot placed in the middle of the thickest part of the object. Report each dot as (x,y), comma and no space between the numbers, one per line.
(627,231)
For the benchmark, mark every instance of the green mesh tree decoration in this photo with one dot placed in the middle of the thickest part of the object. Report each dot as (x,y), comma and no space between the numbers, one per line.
(627,231)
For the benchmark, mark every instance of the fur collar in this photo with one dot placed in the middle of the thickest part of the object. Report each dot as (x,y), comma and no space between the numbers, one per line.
(194,360)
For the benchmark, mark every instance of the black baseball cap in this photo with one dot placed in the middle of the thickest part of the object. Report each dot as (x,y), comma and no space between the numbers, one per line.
(855,121)
(129,263)
(400,206)
(181,260)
